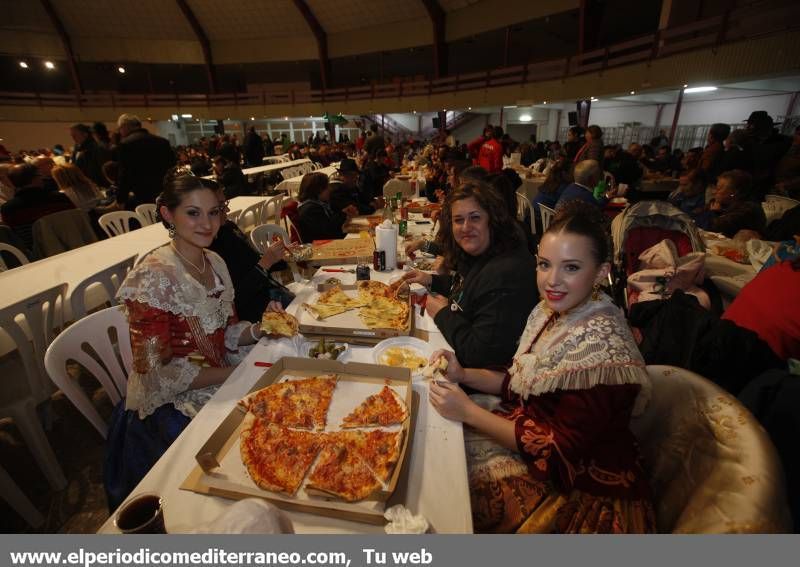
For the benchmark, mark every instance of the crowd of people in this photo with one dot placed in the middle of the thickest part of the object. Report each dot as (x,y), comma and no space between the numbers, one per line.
(544,368)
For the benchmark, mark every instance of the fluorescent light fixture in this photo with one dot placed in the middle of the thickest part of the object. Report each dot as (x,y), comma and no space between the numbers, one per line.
(121,69)
(700,90)
(174,117)
(186,115)
(594,99)
(23,64)
(525,118)
(50,65)
(513,106)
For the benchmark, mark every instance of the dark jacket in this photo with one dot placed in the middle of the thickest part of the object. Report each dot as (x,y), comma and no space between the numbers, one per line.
(89,156)
(28,205)
(253,286)
(767,153)
(234,181)
(343,196)
(144,159)
(574,191)
(739,216)
(318,221)
(253,149)
(497,295)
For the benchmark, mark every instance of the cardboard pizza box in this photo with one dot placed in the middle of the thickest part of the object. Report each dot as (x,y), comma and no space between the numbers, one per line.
(347,326)
(342,251)
(220,471)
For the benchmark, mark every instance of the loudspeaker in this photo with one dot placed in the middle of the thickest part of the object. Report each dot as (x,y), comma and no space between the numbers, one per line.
(436,122)
(573,118)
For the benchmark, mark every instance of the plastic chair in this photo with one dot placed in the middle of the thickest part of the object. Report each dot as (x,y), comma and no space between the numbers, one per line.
(395,186)
(110,278)
(117,222)
(30,325)
(11,493)
(271,212)
(710,464)
(102,361)
(16,252)
(250,217)
(147,214)
(546,215)
(524,208)
(262,235)
(788,202)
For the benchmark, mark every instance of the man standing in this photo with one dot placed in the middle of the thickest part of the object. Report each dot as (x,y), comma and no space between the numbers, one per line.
(375,141)
(490,156)
(88,155)
(253,148)
(143,159)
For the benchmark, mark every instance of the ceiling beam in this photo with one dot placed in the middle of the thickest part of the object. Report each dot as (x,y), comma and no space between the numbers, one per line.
(66,42)
(202,38)
(322,41)
(438,20)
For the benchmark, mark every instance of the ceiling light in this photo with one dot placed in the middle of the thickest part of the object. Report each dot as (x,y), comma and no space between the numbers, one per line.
(50,65)
(525,118)
(594,99)
(700,89)
(121,69)
(186,115)
(286,118)
(684,86)
(174,117)
(469,108)
(414,111)
(633,92)
(23,64)
(252,118)
(545,102)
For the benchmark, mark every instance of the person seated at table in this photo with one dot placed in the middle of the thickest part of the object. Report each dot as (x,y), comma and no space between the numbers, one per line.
(184,333)
(229,173)
(550,449)
(481,308)
(374,174)
(345,190)
(316,218)
(81,190)
(711,159)
(501,183)
(587,174)
(559,177)
(690,196)
(251,272)
(735,206)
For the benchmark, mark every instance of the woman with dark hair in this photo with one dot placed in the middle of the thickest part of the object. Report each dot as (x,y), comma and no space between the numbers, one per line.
(481,308)
(501,182)
(316,220)
(185,335)
(550,449)
(593,148)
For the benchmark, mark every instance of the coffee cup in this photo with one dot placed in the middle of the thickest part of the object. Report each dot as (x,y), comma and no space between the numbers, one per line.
(143,514)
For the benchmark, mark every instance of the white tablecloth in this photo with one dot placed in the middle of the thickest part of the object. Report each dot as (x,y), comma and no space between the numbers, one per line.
(292,186)
(270,167)
(437,481)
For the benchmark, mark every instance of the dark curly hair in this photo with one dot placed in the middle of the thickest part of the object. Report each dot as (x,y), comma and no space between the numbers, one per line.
(177,184)
(581,218)
(502,228)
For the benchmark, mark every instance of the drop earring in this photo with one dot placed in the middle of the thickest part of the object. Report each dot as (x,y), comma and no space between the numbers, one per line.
(596,292)
(171,229)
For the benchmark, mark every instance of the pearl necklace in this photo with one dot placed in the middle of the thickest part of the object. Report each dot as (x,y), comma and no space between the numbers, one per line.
(185,259)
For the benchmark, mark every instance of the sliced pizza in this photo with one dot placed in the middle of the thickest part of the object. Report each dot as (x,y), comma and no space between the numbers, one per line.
(336,296)
(280,324)
(321,311)
(383,408)
(385,313)
(368,289)
(294,403)
(277,458)
(342,473)
(379,448)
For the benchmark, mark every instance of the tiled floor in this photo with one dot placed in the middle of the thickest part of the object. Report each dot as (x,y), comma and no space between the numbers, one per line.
(81,507)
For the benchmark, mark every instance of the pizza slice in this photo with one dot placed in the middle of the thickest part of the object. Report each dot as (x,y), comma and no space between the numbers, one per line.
(435,370)
(322,311)
(336,296)
(277,458)
(342,473)
(385,313)
(294,403)
(383,408)
(379,448)
(368,289)
(281,324)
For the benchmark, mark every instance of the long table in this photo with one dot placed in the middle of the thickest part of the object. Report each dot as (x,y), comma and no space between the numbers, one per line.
(437,485)
(270,167)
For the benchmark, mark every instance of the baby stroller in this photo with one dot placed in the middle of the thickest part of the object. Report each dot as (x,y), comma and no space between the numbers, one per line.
(641,226)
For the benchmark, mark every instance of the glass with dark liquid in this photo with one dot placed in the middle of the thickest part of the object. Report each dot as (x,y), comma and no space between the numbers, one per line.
(142,515)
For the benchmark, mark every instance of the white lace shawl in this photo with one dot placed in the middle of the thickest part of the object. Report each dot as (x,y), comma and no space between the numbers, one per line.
(162,282)
(586,347)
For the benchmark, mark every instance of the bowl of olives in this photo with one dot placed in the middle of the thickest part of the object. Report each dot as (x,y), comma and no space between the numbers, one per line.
(327,350)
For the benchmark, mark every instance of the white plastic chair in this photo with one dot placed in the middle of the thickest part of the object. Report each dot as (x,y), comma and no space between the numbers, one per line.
(233,216)
(250,217)
(546,215)
(395,186)
(262,235)
(523,208)
(11,493)
(94,331)
(271,212)
(147,214)
(788,202)
(110,279)
(30,325)
(117,222)
(18,254)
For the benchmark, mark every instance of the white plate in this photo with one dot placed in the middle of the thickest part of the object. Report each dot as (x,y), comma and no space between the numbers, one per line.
(309,344)
(424,349)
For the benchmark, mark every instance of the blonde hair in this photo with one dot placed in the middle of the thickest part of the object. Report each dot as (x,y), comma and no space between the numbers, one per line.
(80,189)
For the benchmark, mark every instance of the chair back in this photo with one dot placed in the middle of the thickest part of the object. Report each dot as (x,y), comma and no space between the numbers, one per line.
(546,215)
(233,216)
(524,208)
(108,360)
(711,466)
(271,213)
(147,214)
(30,323)
(110,279)
(290,215)
(395,186)
(60,232)
(14,251)
(250,217)
(263,235)
(117,222)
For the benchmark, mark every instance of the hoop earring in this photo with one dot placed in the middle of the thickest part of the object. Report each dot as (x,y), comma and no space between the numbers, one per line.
(171,230)
(596,292)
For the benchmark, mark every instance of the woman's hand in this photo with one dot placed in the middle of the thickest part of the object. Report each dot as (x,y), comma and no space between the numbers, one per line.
(413,246)
(454,372)
(275,306)
(414,276)
(273,254)
(351,211)
(450,401)
(435,303)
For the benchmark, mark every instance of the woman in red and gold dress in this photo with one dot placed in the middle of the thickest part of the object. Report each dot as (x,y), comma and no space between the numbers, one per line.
(549,448)
(185,335)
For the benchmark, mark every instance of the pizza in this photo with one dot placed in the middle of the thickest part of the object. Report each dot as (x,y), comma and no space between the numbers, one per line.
(385,313)
(260,444)
(436,369)
(335,296)
(377,306)
(281,324)
(341,472)
(380,449)
(403,357)
(383,408)
(322,311)
(369,289)
(294,403)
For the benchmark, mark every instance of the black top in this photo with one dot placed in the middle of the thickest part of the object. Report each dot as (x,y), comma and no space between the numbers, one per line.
(234,181)
(253,286)
(497,295)
(144,159)
(89,156)
(343,196)
(318,221)
(28,205)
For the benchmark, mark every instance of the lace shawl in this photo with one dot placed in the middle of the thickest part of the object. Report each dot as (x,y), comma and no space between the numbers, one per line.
(586,347)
